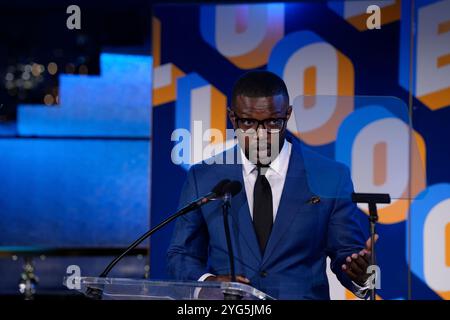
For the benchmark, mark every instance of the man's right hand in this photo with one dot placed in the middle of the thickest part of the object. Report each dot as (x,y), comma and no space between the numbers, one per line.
(227,278)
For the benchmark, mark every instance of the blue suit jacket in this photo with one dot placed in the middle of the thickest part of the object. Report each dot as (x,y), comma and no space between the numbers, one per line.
(304,233)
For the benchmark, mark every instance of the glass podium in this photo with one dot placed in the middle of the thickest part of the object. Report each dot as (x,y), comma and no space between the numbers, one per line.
(131,289)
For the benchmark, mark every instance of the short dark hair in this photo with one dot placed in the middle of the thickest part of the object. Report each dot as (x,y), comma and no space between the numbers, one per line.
(259,83)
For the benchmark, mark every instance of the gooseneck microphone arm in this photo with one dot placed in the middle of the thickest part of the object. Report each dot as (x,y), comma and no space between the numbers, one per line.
(142,238)
(215,193)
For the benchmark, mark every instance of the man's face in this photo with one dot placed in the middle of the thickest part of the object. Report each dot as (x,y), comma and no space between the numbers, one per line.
(261,141)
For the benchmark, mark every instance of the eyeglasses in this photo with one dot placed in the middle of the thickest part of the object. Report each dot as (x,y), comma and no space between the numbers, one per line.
(271,125)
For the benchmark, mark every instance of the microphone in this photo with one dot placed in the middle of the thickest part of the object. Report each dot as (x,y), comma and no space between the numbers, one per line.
(232,188)
(216,193)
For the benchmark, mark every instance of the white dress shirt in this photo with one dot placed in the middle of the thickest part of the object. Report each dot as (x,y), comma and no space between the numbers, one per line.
(275,174)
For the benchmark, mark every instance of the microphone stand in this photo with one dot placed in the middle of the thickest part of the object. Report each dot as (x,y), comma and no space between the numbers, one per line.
(229,295)
(372,199)
(373,219)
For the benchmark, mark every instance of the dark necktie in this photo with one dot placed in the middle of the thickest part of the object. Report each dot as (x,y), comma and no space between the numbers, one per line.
(262,209)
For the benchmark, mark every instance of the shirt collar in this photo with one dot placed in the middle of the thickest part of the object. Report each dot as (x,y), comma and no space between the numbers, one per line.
(278,165)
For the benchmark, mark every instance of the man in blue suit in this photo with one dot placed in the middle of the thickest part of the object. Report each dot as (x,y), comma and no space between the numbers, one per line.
(282,228)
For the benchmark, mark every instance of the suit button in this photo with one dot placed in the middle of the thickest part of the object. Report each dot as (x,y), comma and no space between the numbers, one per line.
(263,274)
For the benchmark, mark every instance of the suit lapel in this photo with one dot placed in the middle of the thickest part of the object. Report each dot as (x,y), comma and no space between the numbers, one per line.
(240,213)
(244,224)
(295,195)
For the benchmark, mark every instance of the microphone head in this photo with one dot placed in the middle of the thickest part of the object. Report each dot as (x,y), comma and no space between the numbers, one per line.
(233,188)
(218,189)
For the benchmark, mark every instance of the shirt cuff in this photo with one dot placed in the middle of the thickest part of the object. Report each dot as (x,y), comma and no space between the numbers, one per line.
(361,291)
(205,276)
(202,278)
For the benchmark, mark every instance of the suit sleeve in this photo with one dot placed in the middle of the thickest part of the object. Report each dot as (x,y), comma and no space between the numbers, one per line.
(188,251)
(345,235)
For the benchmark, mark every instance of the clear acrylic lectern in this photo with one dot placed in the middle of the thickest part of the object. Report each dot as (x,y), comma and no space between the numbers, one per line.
(130,289)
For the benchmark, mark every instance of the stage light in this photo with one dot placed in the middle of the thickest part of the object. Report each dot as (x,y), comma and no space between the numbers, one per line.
(49,100)
(28,84)
(83,69)
(52,68)
(36,69)
(26,75)
(70,68)
(9,85)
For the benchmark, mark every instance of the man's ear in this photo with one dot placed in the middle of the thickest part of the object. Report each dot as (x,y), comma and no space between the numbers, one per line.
(288,112)
(232,117)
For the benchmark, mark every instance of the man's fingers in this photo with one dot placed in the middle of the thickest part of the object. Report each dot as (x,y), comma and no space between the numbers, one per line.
(242,279)
(227,278)
(364,254)
(352,265)
(369,242)
(349,272)
(358,260)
